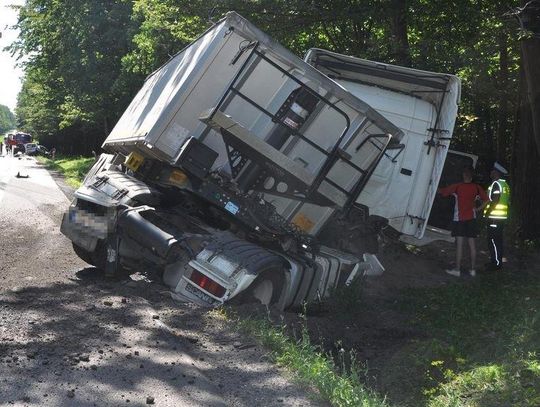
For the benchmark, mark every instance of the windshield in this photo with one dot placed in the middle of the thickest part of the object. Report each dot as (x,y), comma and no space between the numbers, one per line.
(22,138)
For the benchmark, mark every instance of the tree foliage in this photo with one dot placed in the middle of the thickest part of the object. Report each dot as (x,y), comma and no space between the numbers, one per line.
(85,59)
(7,119)
(74,87)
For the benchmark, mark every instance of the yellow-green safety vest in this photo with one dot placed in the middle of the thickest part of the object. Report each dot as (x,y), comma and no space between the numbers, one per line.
(501,208)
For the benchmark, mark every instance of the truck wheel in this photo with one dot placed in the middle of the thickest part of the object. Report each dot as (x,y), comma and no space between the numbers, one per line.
(269,289)
(83,254)
(95,258)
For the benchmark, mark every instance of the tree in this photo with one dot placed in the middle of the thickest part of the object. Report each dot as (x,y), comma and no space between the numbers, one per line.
(529,18)
(526,160)
(165,27)
(7,119)
(74,83)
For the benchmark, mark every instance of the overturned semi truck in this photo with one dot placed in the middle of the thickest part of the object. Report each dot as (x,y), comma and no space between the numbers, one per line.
(228,168)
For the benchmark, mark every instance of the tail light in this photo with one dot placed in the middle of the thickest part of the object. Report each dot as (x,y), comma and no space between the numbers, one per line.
(207,284)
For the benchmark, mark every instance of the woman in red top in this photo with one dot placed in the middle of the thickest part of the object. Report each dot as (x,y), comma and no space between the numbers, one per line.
(467,194)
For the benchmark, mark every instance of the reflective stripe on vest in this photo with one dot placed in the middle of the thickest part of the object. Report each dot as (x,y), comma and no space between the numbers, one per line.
(501,208)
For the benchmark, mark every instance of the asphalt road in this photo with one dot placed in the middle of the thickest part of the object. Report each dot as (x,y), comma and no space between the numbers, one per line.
(68,337)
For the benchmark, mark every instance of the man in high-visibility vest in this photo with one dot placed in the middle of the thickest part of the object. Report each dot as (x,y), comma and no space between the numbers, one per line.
(496,213)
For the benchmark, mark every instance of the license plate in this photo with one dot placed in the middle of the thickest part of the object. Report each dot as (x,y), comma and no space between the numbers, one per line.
(232,208)
(199,294)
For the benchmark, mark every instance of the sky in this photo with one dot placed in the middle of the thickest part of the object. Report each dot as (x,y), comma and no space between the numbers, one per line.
(10,75)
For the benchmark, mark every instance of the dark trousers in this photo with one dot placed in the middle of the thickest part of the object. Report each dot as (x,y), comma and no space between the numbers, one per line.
(495,230)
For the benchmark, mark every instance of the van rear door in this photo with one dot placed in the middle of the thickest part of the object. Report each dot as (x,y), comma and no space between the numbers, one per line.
(440,218)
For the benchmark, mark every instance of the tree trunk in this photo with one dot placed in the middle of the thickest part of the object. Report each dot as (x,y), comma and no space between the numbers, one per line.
(502,128)
(525,170)
(530,57)
(400,40)
(526,156)
(485,131)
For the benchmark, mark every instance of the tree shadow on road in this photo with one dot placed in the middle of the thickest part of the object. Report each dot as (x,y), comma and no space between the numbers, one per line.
(82,341)
(95,342)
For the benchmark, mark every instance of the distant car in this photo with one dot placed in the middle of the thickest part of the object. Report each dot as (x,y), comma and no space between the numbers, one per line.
(42,150)
(31,149)
(36,149)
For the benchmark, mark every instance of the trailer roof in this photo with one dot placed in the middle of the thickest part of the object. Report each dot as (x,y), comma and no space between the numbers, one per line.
(429,86)
(236,22)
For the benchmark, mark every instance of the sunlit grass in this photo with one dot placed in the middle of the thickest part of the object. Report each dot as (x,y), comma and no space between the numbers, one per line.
(73,168)
(480,347)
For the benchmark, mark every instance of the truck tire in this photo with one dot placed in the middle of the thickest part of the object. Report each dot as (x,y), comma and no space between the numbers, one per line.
(95,258)
(83,254)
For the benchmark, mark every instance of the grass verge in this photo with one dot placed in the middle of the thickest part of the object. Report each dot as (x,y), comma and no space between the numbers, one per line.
(478,346)
(73,168)
(483,344)
(308,363)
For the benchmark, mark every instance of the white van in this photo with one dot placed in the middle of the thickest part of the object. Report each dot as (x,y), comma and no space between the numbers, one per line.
(423,105)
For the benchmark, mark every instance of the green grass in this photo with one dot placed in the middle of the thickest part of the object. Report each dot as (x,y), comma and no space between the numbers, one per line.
(483,348)
(479,347)
(73,168)
(308,363)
